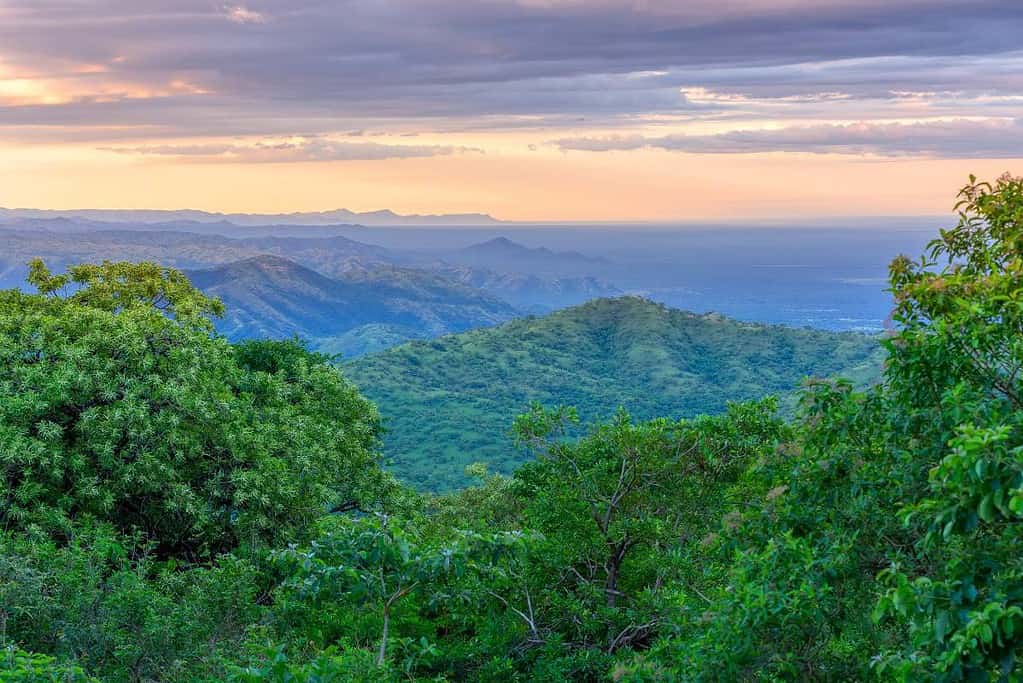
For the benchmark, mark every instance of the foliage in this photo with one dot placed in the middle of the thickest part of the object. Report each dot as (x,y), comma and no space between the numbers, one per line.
(958,364)
(373,562)
(618,508)
(901,497)
(366,339)
(117,403)
(356,666)
(18,666)
(103,601)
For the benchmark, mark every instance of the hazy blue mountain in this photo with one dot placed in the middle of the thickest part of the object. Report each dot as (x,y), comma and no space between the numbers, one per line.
(826,277)
(77,224)
(531,292)
(60,242)
(335,217)
(271,296)
(181,249)
(505,255)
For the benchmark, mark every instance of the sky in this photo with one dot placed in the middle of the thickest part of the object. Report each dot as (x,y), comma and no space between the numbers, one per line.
(530,110)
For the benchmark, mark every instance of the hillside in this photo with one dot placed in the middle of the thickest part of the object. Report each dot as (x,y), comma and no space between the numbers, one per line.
(275,297)
(450,402)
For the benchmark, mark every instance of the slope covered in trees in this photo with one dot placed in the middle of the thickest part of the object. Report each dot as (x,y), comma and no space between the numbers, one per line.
(176,508)
(446,401)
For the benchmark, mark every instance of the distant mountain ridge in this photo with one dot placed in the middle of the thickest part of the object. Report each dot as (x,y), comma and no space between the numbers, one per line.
(276,297)
(451,401)
(503,246)
(330,255)
(61,242)
(501,253)
(306,218)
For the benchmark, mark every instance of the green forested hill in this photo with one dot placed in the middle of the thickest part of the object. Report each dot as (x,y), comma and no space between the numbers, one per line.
(450,402)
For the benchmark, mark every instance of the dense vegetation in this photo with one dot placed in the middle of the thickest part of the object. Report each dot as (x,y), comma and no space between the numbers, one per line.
(446,401)
(176,508)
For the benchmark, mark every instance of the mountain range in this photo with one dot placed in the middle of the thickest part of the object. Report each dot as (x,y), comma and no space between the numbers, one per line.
(342,295)
(308,218)
(531,293)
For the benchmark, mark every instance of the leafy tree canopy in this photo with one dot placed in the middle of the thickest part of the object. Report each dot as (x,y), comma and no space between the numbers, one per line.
(118,403)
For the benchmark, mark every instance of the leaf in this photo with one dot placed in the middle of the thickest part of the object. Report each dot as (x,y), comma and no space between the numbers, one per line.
(986,509)
(941,626)
(1016,503)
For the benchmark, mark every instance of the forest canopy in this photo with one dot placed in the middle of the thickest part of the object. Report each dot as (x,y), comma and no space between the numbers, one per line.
(178,508)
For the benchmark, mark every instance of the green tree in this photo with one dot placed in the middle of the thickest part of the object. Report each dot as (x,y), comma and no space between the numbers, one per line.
(117,402)
(905,496)
(328,667)
(374,562)
(957,373)
(620,507)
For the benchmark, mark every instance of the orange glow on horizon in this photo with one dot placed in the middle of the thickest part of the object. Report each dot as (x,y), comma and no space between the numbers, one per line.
(512,183)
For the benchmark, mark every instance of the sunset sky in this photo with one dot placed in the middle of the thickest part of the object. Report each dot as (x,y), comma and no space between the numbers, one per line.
(525,109)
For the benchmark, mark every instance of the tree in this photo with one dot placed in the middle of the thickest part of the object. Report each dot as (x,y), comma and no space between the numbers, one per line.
(957,373)
(905,496)
(618,504)
(327,667)
(117,402)
(375,562)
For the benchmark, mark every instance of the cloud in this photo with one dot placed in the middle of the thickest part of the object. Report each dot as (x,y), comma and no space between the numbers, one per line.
(316,149)
(330,66)
(999,138)
(240,14)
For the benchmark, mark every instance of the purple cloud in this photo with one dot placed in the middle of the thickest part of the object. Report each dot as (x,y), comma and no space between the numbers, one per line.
(280,67)
(961,138)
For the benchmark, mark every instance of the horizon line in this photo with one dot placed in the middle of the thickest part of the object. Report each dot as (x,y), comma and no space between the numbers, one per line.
(489,222)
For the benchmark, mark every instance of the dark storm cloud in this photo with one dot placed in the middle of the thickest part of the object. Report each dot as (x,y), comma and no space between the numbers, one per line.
(942,139)
(278,66)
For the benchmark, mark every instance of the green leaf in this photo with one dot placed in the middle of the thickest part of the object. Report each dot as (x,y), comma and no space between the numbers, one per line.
(986,509)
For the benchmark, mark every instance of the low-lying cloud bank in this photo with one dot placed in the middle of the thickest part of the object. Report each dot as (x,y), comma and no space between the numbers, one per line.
(294,152)
(954,139)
